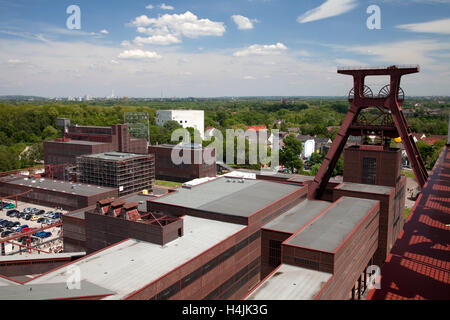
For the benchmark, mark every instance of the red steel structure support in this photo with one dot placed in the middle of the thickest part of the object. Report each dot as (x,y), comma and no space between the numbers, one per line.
(16,196)
(360,98)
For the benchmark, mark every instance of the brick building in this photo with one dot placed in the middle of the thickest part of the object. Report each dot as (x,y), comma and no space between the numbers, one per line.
(82,140)
(165,169)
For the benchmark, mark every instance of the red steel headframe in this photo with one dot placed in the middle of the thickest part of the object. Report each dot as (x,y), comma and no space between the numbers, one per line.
(360,101)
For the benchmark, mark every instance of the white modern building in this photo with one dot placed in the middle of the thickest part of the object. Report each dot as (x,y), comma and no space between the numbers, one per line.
(186,118)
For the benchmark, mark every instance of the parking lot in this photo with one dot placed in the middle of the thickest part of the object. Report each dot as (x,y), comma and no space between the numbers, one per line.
(51,243)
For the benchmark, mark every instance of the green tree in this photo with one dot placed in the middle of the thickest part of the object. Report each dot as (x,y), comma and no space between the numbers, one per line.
(49,132)
(290,154)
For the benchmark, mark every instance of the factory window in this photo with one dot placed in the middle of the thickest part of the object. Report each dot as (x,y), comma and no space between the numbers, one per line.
(274,253)
(180,232)
(307,262)
(369,170)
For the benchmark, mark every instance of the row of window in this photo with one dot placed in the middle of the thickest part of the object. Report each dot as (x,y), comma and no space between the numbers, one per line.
(190,278)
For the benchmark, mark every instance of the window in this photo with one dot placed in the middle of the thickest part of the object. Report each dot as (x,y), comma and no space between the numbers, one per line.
(274,253)
(369,170)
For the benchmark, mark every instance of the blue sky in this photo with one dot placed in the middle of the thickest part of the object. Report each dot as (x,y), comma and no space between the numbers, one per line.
(209,48)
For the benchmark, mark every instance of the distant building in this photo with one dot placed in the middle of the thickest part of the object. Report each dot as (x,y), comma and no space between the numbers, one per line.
(128,172)
(82,140)
(186,118)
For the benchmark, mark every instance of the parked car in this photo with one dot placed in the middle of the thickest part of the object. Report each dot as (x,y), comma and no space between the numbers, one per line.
(6,233)
(12,213)
(49,214)
(42,234)
(27,210)
(26,230)
(43,220)
(8,205)
(34,218)
(19,229)
(57,215)
(27,216)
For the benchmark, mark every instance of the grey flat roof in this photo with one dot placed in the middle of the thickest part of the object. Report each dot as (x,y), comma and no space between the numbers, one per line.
(332,227)
(230,198)
(60,186)
(295,218)
(366,188)
(291,283)
(133,264)
(48,291)
(42,256)
(81,142)
(302,178)
(140,198)
(115,156)
(7,282)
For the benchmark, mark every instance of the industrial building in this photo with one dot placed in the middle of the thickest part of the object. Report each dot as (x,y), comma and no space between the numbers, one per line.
(74,222)
(82,140)
(127,172)
(197,167)
(185,118)
(272,236)
(54,193)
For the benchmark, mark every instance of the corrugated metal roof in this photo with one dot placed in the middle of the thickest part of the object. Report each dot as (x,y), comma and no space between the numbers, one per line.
(291,283)
(132,264)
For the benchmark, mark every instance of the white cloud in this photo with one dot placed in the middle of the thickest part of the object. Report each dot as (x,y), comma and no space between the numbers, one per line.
(104,31)
(164,6)
(170,27)
(329,8)
(149,7)
(125,43)
(242,22)
(258,49)
(403,52)
(249,78)
(138,54)
(441,26)
(15,61)
(157,39)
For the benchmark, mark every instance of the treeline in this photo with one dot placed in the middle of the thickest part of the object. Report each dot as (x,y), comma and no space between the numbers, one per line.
(27,124)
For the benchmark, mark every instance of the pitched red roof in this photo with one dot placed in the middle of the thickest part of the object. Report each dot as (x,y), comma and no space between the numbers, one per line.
(257,128)
(418,266)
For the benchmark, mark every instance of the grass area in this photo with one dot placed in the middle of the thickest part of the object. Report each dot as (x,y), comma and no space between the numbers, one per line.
(167,183)
(409,174)
(407,212)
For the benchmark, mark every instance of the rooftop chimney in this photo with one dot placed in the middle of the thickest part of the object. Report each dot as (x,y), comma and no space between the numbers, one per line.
(115,208)
(130,212)
(103,205)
